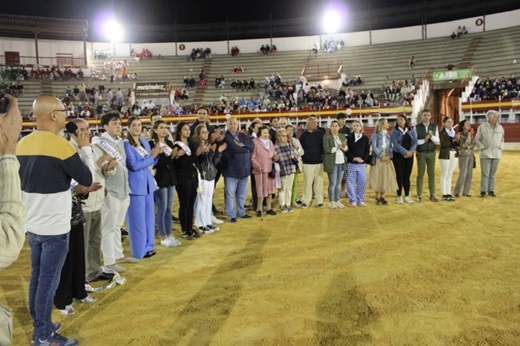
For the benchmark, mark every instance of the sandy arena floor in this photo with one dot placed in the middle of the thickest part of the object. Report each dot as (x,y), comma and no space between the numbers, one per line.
(421,274)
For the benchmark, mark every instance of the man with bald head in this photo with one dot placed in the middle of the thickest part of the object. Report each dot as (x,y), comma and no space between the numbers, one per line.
(48,163)
(236,168)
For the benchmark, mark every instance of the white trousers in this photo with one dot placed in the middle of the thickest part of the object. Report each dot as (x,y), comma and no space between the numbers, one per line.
(313,181)
(447,169)
(285,193)
(113,215)
(203,203)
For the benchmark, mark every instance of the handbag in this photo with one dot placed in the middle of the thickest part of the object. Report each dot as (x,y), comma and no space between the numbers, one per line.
(272,174)
(373,159)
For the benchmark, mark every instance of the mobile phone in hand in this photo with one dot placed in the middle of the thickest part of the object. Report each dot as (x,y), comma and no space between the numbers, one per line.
(4,103)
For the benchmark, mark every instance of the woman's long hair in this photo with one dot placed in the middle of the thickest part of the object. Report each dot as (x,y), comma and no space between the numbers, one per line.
(196,133)
(156,124)
(178,129)
(407,124)
(131,139)
(379,125)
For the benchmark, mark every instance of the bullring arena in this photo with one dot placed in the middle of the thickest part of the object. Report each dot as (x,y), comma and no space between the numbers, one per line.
(445,273)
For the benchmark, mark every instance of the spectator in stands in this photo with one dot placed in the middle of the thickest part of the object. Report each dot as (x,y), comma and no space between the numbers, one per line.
(382,174)
(404,144)
(465,145)
(453,35)
(449,66)
(411,61)
(490,143)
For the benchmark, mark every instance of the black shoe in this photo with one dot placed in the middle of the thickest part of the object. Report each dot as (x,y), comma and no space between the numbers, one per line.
(246,216)
(271,212)
(383,200)
(320,205)
(175,219)
(216,211)
(103,277)
(233,220)
(378,201)
(186,235)
(258,213)
(298,202)
(492,193)
(195,234)
(124,232)
(482,193)
(149,254)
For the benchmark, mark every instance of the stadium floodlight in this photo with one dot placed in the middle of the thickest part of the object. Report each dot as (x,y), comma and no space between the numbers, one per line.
(332,21)
(113,31)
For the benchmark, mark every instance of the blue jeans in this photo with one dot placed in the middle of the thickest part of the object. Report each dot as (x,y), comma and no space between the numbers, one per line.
(335,182)
(47,257)
(164,200)
(236,189)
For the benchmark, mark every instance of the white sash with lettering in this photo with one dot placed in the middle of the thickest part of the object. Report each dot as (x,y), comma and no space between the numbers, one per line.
(167,149)
(184,147)
(108,149)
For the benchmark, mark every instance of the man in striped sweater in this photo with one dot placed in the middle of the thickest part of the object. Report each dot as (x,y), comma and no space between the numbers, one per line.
(48,163)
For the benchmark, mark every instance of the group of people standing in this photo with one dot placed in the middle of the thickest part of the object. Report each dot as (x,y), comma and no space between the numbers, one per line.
(79,199)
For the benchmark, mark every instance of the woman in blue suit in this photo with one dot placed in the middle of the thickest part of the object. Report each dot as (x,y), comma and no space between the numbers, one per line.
(140,215)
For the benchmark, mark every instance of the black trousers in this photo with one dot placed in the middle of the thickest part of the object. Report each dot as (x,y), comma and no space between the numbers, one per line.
(403,170)
(186,192)
(72,279)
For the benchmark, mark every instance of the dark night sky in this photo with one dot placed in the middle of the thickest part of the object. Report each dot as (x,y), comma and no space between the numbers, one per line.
(187,11)
(142,19)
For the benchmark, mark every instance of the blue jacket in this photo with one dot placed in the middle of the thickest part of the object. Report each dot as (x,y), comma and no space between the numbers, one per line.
(397,139)
(236,159)
(140,178)
(377,145)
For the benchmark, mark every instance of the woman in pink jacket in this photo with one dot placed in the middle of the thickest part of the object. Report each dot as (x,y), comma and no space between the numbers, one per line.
(262,163)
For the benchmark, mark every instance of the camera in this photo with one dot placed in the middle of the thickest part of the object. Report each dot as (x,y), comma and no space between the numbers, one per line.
(4,103)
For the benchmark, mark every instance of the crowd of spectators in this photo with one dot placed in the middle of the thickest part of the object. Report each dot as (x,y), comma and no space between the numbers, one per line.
(401,92)
(52,73)
(142,55)
(461,31)
(16,89)
(199,53)
(267,49)
(234,51)
(332,45)
(495,89)
(103,54)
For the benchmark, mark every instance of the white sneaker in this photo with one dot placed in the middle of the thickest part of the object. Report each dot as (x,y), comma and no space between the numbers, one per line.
(339,205)
(168,242)
(332,205)
(361,204)
(399,200)
(353,204)
(69,310)
(408,199)
(213,228)
(174,241)
(88,300)
(215,220)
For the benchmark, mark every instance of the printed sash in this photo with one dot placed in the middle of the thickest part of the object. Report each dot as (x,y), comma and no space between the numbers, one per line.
(108,149)
(184,147)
